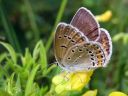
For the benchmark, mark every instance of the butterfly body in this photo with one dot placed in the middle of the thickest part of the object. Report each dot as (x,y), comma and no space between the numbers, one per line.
(82,45)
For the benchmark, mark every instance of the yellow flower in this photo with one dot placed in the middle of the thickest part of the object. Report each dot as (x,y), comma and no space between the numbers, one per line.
(106,16)
(117,93)
(90,93)
(71,81)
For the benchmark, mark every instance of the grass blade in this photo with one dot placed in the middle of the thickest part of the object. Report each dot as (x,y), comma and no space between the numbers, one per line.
(59,16)
(32,20)
(9,29)
(30,80)
(11,51)
(40,50)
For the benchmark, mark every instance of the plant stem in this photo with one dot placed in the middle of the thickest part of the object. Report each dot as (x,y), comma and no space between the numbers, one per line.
(32,20)
(59,16)
(9,29)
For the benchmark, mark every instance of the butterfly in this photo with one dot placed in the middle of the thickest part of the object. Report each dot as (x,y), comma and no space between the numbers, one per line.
(82,44)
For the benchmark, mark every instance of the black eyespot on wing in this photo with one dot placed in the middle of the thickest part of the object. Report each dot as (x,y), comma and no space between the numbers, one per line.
(65,36)
(87,50)
(101,56)
(88,43)
(99,51)
(59,37)
(92,55)
(92,58)
(63,46)
(69,58)
(80,50)
(72,41)
(69,37)
(97,56)
(73,50)
(90,51)
(97,47)
(93,63)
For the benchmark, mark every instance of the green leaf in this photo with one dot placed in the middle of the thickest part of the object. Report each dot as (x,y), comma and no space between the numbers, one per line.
(10,50)
(4,93)
(43,58)
(51,68)
(18,86)
(118,37)
(10,84)
(40,53)
(27,60)
(29,85)
(125,39)
(36,50)
(3,56)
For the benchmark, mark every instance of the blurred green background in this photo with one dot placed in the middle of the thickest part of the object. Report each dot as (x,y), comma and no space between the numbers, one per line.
(24,22)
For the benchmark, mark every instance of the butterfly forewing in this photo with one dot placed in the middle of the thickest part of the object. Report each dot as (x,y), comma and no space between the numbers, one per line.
(65,37)
(86,23)
(84,56)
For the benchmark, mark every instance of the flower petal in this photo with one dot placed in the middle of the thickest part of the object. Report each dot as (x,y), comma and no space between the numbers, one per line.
(104,17)
(117,93)
(90,93)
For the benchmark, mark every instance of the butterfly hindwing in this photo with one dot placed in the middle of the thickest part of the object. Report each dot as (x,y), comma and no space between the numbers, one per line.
(106,43)
(84,56)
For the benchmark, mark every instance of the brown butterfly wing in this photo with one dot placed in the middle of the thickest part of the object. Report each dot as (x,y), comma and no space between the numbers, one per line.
(84,56)
(65,37)
(86,23)
(106,42)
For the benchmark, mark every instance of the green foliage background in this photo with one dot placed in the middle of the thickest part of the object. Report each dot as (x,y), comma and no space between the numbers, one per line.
(28,26)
